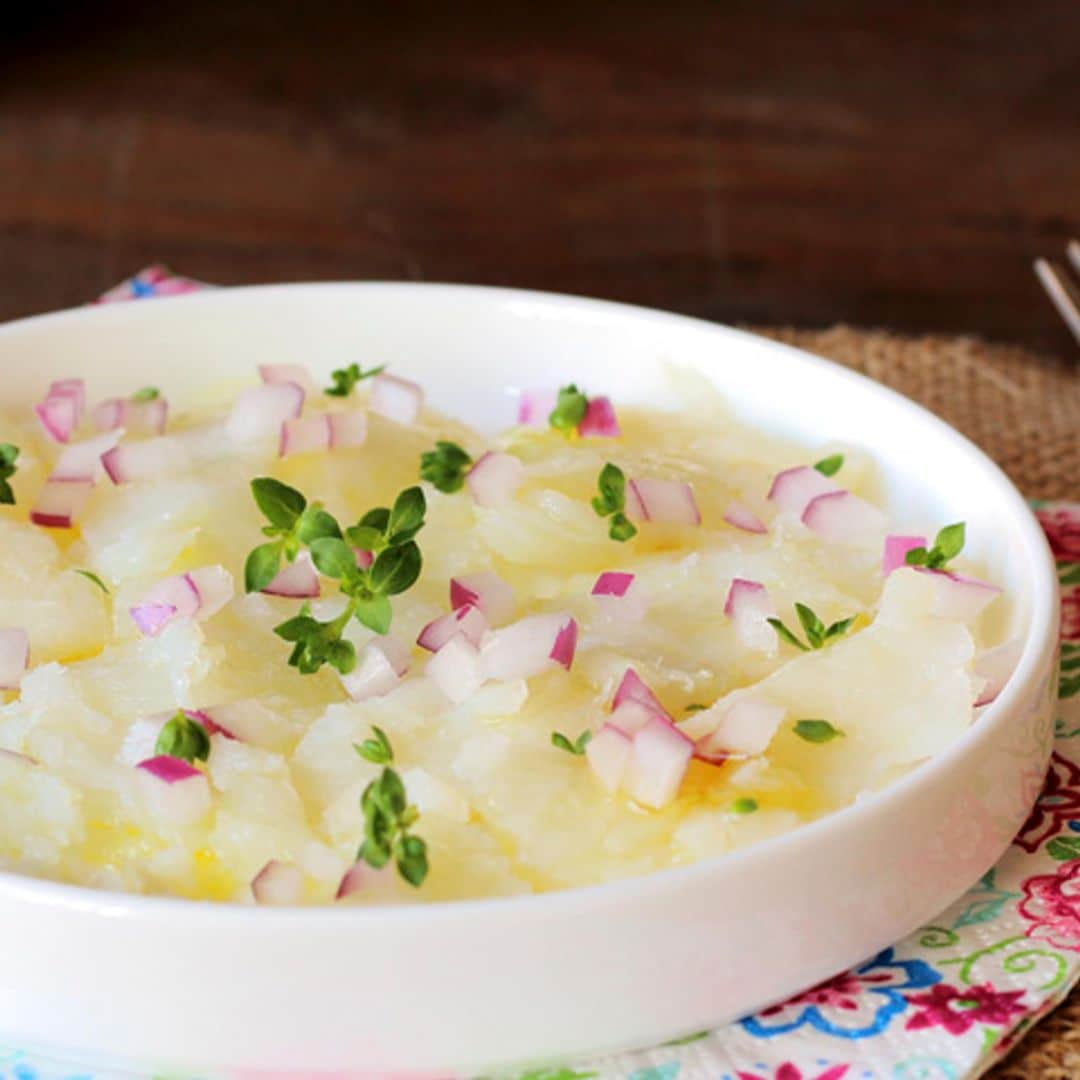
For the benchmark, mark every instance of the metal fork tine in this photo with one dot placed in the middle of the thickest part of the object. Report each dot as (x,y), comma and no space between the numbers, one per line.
(1060,290)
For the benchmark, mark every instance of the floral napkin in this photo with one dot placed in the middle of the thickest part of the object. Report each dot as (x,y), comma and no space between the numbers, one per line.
(944,1003)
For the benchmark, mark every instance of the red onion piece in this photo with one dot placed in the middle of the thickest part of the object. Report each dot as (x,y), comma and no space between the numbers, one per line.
(631,716)
(296,580)
(383,663)
(247,721)
(995,667)
(151,618)
(82,460)
(278,884)
(665,502)
(296,374)
(793,489)
(145,417)
(494,479)
(59,416)
(524,648)
(535,407)
(455,669)
(18,759)
(741,727)
(215,587)
(108,415)
(171,770)
(306,436)
(632,688)
(748,605)
(608,753)
(74,389)
(658,763)
(487,591)
(14,656)
(364,559)
(562,651)
(741,517)
(60,502)
(612,583)
(197,594)
(599,421)
(957,596)
(467,620)
(895,553)
(839,517)
(347,429)
(396,399)
(146,460)
(260,411)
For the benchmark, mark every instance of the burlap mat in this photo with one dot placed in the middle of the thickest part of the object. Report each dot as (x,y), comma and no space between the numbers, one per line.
(1023,409)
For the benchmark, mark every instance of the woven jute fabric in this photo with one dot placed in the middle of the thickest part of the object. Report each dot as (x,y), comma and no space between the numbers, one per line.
(1023,409)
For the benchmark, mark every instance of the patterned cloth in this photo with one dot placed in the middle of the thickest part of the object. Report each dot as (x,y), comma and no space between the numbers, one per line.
(943,1004)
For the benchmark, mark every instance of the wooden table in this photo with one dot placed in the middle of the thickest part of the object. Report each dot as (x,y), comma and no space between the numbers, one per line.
(880,164)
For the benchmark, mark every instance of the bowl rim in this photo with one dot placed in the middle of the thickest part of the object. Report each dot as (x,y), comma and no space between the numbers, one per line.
(1040,640)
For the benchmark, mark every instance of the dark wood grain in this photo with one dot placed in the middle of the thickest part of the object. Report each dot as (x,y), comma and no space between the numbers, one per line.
(881,164)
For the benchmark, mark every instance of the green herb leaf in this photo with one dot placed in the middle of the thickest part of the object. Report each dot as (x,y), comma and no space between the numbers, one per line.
(831,465)
(396,569)
(281,504)
(569,409)
(949,542)
(262,566)
(611,485)
(379,519)
(817,731)
(784,634)
(185,738)
(917,557)
(577,747)
(387,819)
(92,577)
(695,707)
(445,466)
(9,455)
(316,524)
(839,628)
(375,613)
(377,750)
(410,855)
(621,527)
(744,805)
(812,626)
(365,537)
(147,393)
(333,558)
(345,379)
(406,518)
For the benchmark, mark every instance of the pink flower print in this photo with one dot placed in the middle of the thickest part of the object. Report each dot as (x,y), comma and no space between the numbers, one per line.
(1051,905)
(957,1008)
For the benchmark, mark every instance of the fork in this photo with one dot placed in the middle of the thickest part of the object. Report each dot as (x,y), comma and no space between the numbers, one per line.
(1060,286)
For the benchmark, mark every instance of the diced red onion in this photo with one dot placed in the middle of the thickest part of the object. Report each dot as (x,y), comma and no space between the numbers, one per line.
(839,517)
(665,502)
(73,388)
(152,618)
(957,596)
(995,667)
(535,407)
(260,411)
(278,884)
(895,553)
(171,770)
(59,416)
(495,478)
(741,517)
(14,656)
(793,489)
(18,759)
(364,559)
(612,583)
(524,648)
(383,663)
(296,580)
(608,753)
(305,436)
(562,651)
(396,399)
(658,763)
(296,374)
(82,460)
(631,716)
(248,721)
(146,460)
(347,429)
(197,594)
(361,878)
(455,669)
(487,591)
(749,605)
(599,420)
(734,728)
(352,881)
(150,417)
(467,620)
(60,502)
(632,688)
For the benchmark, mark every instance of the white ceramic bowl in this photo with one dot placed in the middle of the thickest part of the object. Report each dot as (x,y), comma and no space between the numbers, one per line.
(165,985)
